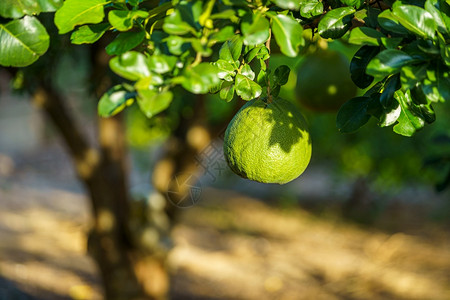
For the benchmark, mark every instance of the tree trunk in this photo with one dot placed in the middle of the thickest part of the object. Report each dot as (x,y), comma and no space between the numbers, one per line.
(127,272)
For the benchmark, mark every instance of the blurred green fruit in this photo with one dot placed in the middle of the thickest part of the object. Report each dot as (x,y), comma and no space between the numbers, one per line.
(323,81)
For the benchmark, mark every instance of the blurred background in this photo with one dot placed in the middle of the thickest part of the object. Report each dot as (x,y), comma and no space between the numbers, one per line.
(369,218)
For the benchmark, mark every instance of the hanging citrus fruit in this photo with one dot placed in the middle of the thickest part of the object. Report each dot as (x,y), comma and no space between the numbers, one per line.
(268,142)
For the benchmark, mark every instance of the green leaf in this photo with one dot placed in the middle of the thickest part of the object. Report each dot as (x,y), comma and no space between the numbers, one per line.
(225,14)
(88,34)
(162,63)
(201,78)
(227,92)
(411,74)
(288,34)
(436,86)
(388,62)
(288,4)
(176,44)
(390,115)
(223,34)
(422,105)
(434,8)
(226,70)
(354,3)
(174,24)
(130,65)
(365,36)
(79,12)
(231,51)
(416,19)
(151,102)
(247,72)
(390,23)
(184,18)
(150,82)
(124,42)
(201,47)
(251,54)
(445,49)
(353,114)
(114,101)
(22,42)
(123,20)
(17,8)
(247,89)
(336,22)
(263,53)
(387,97)
(359,64)
(281,75)
(255,29)
(408,122)
(310,9)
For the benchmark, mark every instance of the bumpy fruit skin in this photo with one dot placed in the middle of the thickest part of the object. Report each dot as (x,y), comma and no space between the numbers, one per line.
(324,82)
(268,143)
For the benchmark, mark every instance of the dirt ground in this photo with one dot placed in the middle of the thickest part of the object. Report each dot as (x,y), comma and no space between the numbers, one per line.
(230,246)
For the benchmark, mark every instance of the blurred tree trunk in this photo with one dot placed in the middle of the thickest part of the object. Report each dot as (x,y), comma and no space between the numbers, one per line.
(127,272)
(178,169)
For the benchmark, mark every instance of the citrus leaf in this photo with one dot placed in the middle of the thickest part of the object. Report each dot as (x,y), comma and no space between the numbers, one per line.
(227,92)
(88,34)
(162,63)
(18,8)
(353,114)
(387,97)
(434,8)
(354,3)
(311,9)
(390,115)
(416,19)
(288,4)
(255,29)
(114,101)
(359,64)
(408,122)
(124,42)
(436,86)
(365,36)
(390,23)
(79,12)
(248,72)
(336,22)
(201,78)
(223,34)
(231,51)
(22,42)
(184,18)
(411,74)
(226,70)
(388,62)
(122,20)
(247,89)
(281,75)
(288,34)
(174,24)
(151,102)
(130,65)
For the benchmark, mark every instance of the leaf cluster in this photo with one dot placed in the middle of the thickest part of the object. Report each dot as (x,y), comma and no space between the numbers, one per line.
(224,47)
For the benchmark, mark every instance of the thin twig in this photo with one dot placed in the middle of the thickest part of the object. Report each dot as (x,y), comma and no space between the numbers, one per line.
(269,95)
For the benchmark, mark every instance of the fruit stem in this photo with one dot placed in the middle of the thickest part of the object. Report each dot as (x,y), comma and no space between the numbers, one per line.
(269,95)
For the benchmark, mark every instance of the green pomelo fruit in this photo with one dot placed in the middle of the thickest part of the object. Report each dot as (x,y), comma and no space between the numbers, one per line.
(268,142)
(324,82)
